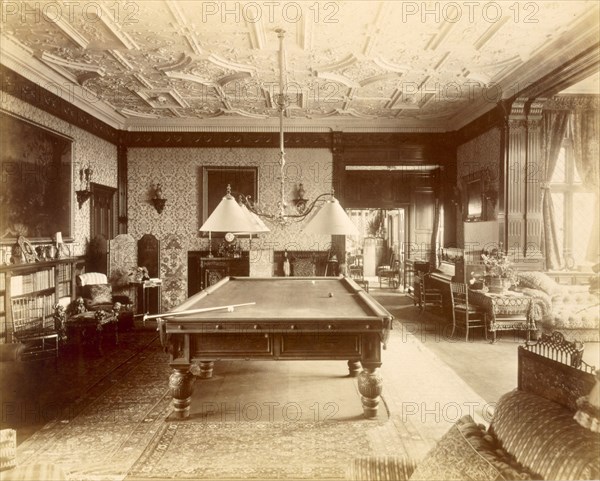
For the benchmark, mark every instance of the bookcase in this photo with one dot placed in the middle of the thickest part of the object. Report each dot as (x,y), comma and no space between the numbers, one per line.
(35,286)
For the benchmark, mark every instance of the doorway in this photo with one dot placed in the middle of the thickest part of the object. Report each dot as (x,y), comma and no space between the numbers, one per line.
(383,234)
(103,224)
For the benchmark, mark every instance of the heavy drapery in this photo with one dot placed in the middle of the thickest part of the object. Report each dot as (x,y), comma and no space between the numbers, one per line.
(554,128)
(584,133)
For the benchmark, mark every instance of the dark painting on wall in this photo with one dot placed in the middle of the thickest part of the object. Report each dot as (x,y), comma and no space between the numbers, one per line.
(214,182)
(35,168)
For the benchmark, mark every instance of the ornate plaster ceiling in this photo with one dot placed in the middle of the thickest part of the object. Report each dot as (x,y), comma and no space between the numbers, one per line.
(167,64)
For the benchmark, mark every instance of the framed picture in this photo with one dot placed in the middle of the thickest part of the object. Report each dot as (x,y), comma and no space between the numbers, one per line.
(214,182)
(36,197)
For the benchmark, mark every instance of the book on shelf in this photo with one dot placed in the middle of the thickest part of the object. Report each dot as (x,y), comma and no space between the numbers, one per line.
(16,285)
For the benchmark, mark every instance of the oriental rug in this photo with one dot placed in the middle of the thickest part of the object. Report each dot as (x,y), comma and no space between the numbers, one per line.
(253,419)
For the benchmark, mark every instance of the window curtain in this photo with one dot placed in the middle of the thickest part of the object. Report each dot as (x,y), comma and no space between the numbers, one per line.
(554,129)
(584,132)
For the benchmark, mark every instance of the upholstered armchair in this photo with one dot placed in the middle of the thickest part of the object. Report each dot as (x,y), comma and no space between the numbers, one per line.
(95,293)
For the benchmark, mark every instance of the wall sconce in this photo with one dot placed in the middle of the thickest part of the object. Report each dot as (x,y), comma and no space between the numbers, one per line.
(300,201)
(158,201)
(85,193)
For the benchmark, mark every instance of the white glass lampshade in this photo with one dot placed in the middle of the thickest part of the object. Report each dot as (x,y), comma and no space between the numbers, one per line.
(259,225)
(331,219)
(228,216)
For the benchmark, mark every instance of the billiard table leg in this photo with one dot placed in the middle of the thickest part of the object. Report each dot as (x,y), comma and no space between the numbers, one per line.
(206,369)
(354,367)
(181,384)
(370,385)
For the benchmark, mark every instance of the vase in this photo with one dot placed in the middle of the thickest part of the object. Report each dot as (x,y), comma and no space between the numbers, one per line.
(497,285)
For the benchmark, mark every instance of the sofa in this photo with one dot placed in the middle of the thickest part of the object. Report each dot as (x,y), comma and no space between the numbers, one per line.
(532,434)
(571,310)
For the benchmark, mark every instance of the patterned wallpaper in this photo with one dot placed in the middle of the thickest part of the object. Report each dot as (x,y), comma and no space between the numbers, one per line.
(482,152)
(178,172)
(88,150)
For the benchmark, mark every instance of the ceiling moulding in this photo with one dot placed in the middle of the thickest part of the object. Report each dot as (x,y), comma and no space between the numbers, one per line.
(106,18)
(20,87)
(20,59)
(183,28)
(66,28)
(582,35)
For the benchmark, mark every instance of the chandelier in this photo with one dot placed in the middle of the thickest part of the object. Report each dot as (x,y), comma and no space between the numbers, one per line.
(246,215)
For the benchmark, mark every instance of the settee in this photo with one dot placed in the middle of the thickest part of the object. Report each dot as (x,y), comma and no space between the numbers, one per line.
(571,310)
(532,434)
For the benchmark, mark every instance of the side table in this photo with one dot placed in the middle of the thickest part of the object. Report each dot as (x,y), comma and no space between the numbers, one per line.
(148,294)
(509,311)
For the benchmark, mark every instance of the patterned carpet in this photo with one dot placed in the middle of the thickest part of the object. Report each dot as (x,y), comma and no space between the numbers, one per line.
(294,420)
(252,420)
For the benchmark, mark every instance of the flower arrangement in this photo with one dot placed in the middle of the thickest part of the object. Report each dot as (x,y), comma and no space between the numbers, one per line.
(498,266)
(139,274)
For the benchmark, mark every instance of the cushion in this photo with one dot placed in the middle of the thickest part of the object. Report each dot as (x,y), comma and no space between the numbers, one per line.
(380,468)
(467,452)
(35,472)
(99,294)
(543,436)
(90,278)
(538,280)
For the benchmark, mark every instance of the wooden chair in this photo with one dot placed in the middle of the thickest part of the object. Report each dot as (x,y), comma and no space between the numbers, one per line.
(34,326)
(474,317)
(355,266)
(390,273)
(428,297)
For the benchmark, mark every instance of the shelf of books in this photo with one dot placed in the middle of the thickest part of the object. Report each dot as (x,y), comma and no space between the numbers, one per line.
(37,285)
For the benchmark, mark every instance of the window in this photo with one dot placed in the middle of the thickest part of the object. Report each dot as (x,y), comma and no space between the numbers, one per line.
(575,207)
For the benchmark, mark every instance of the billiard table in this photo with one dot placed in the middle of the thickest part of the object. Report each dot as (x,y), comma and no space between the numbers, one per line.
(279,318)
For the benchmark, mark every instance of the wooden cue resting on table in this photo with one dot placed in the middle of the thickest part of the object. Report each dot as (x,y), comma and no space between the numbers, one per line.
(195,311)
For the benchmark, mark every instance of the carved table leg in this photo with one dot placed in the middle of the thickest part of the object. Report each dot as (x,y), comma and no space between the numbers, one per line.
(354,367)
(206,369)
(370,385)
(181,384)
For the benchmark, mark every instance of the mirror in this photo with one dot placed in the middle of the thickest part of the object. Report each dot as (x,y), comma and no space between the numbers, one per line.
(474,203)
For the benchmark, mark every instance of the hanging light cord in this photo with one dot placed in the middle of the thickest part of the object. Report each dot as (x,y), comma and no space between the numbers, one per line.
(281,216)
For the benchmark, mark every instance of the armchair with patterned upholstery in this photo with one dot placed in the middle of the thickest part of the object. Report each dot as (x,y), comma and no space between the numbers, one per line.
(97,294)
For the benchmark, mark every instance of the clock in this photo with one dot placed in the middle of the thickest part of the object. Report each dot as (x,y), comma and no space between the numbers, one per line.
(229,237)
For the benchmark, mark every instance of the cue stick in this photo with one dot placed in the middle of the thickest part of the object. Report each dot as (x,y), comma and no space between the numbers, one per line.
(195,311)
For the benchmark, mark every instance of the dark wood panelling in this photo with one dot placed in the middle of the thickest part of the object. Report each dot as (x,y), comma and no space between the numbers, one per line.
(226,139)
(122,189)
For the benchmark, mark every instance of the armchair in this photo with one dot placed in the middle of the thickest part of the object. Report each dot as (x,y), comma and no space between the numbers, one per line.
(97,294)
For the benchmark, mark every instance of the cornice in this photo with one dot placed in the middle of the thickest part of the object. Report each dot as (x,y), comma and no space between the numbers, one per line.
(226,139)
(19,59)
(24,89)
(573,102)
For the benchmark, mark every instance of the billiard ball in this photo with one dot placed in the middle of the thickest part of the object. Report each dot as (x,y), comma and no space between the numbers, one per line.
(331,294)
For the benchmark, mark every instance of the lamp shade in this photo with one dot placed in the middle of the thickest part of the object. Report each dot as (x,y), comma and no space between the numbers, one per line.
(331,219)
(259,225)
(228,216)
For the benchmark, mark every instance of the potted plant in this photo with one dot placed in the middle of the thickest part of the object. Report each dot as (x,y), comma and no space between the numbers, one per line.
(499,275)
